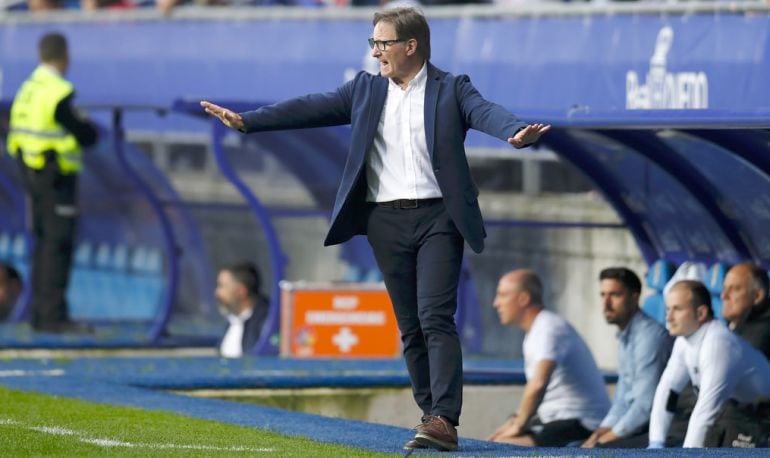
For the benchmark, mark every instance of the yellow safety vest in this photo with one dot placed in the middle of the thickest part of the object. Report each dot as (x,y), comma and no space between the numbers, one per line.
(33,129)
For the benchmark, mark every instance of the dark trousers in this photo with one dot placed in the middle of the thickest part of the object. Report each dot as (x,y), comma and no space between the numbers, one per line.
(685,404)
(558,433)
(419,252)
(741,426)
(54,216)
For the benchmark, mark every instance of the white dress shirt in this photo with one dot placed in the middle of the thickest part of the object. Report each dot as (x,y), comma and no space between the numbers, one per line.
(398,164)
(722,365)
(232,342)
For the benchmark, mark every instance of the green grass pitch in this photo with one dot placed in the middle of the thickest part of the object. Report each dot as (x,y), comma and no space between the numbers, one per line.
(35,425)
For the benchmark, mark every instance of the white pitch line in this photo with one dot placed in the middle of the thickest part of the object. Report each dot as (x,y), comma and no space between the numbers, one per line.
(102,442)
(52,430)
(22,373)
(107,442)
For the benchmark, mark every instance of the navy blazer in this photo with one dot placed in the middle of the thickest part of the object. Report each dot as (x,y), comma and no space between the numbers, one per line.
(452,106)
(252,328)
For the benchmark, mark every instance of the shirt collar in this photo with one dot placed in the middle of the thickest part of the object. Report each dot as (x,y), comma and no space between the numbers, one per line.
(624,335)
(418,81)
(242,317)
(421,76)
(696,337)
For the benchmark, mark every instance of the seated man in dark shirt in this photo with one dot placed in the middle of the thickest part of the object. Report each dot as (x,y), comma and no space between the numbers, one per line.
(239,291)
(747,311)
(746,306)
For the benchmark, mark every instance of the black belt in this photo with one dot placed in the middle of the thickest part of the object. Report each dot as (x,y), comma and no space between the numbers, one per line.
(408,203)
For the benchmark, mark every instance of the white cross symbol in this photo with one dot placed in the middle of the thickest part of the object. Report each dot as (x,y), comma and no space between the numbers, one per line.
(345,339)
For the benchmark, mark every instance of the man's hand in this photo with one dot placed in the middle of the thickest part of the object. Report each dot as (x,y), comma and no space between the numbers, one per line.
(508,429)
(228,117)
(609,436)
(528,135)
(594,438)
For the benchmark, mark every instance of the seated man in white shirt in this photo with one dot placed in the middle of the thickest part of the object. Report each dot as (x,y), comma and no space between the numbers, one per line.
(720,365)
(239,291)
(565,397)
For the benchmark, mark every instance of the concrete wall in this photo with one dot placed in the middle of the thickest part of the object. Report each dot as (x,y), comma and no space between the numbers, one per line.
(484,407)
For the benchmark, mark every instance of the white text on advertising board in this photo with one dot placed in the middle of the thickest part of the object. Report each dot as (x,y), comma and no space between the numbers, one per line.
(664,90)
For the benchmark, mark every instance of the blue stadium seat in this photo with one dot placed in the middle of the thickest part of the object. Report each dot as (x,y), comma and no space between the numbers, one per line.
(146,282)
(5,246)
(19,246)
(138,267)
(88,295)
(657,276)
(19,254)
(714,283)
(119,280)
(115,282)
(80,289)
(103,297)
(82,256)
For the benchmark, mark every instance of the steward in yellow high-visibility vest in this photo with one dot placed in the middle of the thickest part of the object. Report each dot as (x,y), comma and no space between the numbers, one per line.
(34,129)
(46,136)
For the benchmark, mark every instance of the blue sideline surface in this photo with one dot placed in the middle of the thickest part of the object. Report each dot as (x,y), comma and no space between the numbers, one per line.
(202,372)
(110,335)
(141,382)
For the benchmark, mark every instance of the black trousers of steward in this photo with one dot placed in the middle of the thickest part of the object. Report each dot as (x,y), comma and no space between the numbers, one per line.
(52,201)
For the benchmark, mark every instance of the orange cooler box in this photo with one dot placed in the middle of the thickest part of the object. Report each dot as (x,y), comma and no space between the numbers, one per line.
(337,320)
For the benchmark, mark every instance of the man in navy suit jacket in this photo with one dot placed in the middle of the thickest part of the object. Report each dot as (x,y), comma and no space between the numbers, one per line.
(408,187)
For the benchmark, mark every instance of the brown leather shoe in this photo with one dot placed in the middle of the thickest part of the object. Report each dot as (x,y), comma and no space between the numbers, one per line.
(437,433)
(412,444)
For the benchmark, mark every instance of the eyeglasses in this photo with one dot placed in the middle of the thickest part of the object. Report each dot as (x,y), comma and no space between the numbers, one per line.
(382,45)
